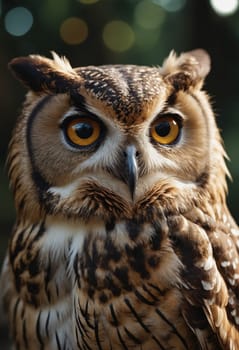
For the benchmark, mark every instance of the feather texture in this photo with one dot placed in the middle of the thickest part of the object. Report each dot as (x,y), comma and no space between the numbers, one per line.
(123,239)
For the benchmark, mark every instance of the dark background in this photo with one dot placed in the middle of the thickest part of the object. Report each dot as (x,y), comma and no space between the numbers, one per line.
(120,31)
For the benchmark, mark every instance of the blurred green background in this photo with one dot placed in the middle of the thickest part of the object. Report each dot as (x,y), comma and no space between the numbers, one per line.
(121,31)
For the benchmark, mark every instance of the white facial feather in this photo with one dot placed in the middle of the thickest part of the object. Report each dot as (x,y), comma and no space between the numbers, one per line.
(58,237)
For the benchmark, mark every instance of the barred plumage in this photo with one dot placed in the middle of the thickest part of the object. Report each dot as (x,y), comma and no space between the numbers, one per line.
(123,239)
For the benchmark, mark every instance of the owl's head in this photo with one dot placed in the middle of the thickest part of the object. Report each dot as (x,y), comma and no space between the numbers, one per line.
(106,141)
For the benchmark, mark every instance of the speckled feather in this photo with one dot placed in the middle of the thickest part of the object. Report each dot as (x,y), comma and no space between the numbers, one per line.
(91,267)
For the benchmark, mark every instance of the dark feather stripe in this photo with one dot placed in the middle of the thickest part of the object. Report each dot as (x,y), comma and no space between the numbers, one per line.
(24,333)
(40,232)
(121,340)
(82,327)
(114,318)
(38,332)
(16,187)
(13,167)
(127,302)
(30,231)
(79,326)
(14,154)
(39,181)
(78,321)
(68,259)
(97,332)
(58,342)
(158,342)
(47,279)
(22,202)
(143,299)
(82,331)
(86,345)
(132,336)
(173,327)
(85,314)
(156,288)
(15,310)
(77,339)
(17,246)
(37,236)
(57,289)
(47,324)
(14,318)
(79,101)
(110,345)
(149,293)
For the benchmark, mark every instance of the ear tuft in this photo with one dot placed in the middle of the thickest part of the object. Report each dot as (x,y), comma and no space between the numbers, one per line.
(202,62)
(39,73)
(27,70)
(189,69)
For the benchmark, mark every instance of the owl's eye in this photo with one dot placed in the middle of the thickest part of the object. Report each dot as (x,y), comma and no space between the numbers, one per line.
(82,131)
(165,130)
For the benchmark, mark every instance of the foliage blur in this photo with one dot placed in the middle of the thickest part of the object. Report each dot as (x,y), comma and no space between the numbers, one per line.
(121,31)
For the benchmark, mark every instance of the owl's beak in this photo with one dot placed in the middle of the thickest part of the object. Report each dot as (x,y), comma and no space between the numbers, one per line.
(131,168)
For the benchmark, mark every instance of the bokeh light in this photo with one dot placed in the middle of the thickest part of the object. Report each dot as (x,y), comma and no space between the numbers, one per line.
(88,2)
(171,5)
(118,36)
(148,15)
(74,31)
(18,21)
(224,7)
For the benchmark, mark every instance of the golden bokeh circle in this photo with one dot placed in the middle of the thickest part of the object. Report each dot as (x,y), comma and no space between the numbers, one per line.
(118,36)
(148,15)
(74,31)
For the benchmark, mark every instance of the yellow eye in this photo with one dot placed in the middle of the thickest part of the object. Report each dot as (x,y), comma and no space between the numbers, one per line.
(165,130)
(82,131)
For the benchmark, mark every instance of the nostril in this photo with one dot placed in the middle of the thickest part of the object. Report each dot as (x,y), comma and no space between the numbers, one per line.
(130,152)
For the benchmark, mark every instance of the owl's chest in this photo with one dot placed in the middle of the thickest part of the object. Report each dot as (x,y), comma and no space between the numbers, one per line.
(125,258)
(126,294)
(112,287)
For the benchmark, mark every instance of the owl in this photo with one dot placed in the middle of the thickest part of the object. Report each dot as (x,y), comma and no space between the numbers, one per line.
(123,238)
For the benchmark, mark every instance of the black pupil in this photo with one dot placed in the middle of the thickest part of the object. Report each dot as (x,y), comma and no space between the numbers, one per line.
(83,130)
(163,129)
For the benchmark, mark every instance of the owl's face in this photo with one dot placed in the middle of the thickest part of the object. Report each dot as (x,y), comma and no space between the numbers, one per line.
(98,140)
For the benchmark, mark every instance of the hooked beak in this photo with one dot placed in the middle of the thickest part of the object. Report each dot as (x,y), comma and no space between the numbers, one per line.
(130,171)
